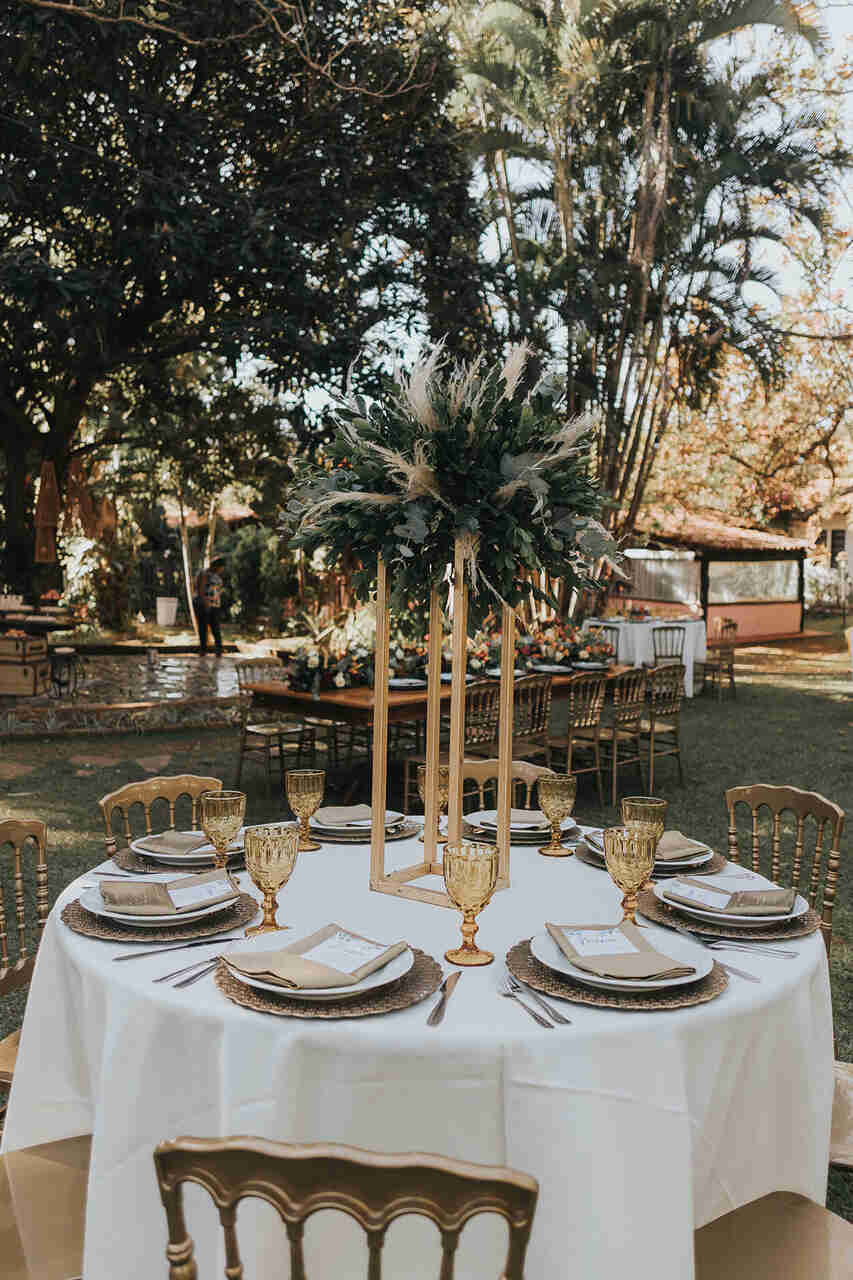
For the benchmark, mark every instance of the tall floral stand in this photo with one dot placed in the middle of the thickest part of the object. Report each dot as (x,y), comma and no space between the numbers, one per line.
(403,882)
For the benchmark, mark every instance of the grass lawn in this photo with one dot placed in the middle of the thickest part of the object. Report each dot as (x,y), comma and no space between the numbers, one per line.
(790,723)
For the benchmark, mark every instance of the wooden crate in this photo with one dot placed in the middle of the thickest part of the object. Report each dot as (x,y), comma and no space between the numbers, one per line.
(22,648)
(24,678)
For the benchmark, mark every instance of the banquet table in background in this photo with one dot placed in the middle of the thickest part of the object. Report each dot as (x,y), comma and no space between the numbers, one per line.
(636,646)
(639,1126)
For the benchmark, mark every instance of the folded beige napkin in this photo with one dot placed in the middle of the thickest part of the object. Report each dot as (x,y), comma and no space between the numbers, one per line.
(770,901)
(615,951)
(341,815)
(331,957)
(527,819)
(172,842)
(673,844)
(142,898)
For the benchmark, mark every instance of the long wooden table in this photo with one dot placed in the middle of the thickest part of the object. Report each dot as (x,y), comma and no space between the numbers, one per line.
(355,706)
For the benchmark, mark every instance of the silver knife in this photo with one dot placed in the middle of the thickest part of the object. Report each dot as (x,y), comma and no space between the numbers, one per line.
(738,973)
(446,992)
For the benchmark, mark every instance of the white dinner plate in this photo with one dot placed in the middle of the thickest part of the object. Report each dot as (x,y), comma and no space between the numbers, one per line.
(202,856)
(406,682)
(447,676)
(396,968)
(92,901)
(754,922)
(551,668)
(494,673)
(683,950)
(590,666)
(488,818)
(661,864)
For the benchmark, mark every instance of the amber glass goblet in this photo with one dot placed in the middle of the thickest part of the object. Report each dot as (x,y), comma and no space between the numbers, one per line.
(629,856)
(304,789)
(470,875)
(645,813)
(271,853)
(222,814)
(556,793)
(442,791)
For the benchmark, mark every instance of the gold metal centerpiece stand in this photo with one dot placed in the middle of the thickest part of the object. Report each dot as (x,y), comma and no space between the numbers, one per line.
(402,882)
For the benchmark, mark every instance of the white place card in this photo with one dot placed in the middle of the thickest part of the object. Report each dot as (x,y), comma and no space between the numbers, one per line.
(599,942)
(198,894)
(701,897)
(346,952)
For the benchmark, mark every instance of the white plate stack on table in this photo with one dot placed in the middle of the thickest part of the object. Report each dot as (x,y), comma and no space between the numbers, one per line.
(330,964)
(146,903)
(619,957)
(183,848)
(675,852)
(406,682)
(351,824)
(743,900)
(526,826)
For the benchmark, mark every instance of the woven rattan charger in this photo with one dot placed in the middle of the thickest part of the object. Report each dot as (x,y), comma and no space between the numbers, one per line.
(92,926)
(129,860)
(659,913)
(524,966)
(361,835)
(418,984)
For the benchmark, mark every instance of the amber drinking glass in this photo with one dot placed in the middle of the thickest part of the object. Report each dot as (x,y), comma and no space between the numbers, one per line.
(271,853)
(470,875)
(556,793)
(222,814)
(304,789)
(629,856)
(645,813)
(442,791)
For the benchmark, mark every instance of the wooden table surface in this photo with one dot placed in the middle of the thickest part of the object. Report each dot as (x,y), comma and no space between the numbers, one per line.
(355,706)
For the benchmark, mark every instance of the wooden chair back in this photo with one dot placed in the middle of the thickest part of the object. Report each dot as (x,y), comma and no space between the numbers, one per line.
(299,1180)
(665,690)
(668,642)
(482,712)
(629,698)
(531,706)
(484,774)
(25,838)
(586,701)
(816,877)
(145,793)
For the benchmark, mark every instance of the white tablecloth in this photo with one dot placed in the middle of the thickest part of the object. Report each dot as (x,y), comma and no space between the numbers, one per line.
(638,1126)
(636,645)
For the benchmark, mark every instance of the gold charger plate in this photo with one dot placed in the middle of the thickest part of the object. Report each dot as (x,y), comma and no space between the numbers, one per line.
(92,926)
(524,966)
(422,980)
(658,912)
(717,863)
(361,835)
(129,860)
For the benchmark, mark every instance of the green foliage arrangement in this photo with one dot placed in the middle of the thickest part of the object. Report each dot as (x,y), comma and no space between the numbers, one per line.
(457,451)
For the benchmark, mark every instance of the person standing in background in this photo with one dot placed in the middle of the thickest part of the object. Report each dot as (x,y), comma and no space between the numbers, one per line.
(208,602)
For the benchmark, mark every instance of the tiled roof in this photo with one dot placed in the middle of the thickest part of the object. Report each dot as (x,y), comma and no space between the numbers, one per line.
(227,512)
(711,531)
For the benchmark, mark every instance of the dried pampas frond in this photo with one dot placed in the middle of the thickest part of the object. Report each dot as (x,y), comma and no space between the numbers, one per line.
(416,390)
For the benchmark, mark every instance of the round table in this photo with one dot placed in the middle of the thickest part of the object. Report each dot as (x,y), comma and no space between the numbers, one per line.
(639,1126)
(637,647)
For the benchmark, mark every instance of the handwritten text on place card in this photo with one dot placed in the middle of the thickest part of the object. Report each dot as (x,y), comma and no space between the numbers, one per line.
(599,942)
(344,951)
(702,897)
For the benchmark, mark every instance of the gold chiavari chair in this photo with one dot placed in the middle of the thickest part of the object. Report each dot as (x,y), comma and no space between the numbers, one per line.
(720,662)
(661,725)
(814,875)
(26,840)
(373,1188)
(621,738)
(586,703)
(483,774)
(43,1210)
(271,740)
(169,790)
(668,644)
(531,716)
(482,710)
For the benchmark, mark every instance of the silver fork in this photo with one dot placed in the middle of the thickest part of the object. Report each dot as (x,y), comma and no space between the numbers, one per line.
(506,990)
(721,944)
(177,973)
(543,1004)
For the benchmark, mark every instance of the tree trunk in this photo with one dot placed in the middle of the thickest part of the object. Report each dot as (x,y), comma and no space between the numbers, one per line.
(188,569)
(211,531)
(17,560)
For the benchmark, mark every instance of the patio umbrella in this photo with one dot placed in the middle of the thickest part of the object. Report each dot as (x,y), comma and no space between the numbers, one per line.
(47,515)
